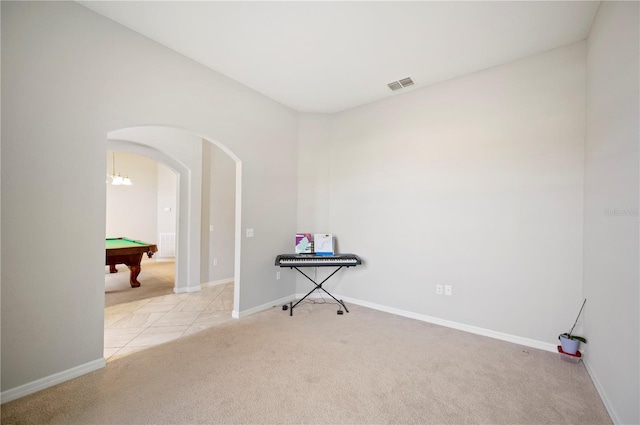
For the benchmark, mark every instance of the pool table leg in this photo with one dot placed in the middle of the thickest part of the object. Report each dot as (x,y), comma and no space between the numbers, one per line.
(112,268)
(133,277)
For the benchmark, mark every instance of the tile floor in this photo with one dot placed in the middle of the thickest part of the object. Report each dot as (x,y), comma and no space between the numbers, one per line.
(137,325)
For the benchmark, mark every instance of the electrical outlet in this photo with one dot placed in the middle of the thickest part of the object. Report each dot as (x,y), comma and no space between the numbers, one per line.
(277,275)
(215,262)
(439,289)
(249,233)
(448,290)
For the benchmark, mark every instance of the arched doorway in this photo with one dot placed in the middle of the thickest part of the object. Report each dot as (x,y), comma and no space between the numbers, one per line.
(145,209)
(181,150)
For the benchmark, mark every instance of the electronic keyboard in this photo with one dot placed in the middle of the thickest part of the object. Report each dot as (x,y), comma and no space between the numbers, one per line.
(310,260)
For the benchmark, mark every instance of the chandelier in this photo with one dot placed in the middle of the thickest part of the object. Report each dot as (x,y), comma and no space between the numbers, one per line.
(117,179)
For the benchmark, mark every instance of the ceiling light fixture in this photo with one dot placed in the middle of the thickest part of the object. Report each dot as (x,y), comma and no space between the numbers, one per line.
(117,179)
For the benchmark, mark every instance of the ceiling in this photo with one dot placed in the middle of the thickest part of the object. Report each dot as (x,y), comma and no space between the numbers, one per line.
(331,56)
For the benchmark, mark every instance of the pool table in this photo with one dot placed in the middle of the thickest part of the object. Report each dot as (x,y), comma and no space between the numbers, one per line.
(128,252)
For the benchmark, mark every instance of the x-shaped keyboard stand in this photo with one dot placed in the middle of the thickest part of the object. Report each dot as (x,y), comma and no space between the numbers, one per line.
(318,286)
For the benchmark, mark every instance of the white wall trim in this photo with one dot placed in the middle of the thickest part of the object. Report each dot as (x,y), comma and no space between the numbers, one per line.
(51,380)
(217,282)
(237,266)
(266,306)
(447,323)
(603,394)
(527,342)
(455,325)
(187,289)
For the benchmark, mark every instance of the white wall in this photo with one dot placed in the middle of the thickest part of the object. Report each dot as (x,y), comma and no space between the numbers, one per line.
(132,210)
(313,184)
(167,196)
(313,174)
(69,78)
(218,210)
(611,248)
(205,234)
(474,183)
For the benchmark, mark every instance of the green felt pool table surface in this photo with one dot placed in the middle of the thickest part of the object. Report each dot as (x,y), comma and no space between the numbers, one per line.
(114,243)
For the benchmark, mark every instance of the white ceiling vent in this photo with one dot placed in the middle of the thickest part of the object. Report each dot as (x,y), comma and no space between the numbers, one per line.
(406,82)
(397,85)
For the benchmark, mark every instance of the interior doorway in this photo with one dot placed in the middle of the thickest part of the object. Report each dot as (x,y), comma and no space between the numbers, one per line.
(199,234)
(144,210)
(182,151)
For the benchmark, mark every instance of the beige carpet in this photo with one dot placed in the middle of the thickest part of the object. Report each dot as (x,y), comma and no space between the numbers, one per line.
(156,279)
(365,367)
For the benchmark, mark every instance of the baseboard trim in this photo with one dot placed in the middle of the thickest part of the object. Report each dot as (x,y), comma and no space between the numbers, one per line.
(199,287)
(527,342)
(51,380)
(603,394)
(165,259)
(217,282)
(263,307)
(188,289)
(447,323)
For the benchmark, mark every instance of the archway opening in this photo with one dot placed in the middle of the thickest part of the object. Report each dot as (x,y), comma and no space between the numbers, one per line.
(140,215)
(207,236)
